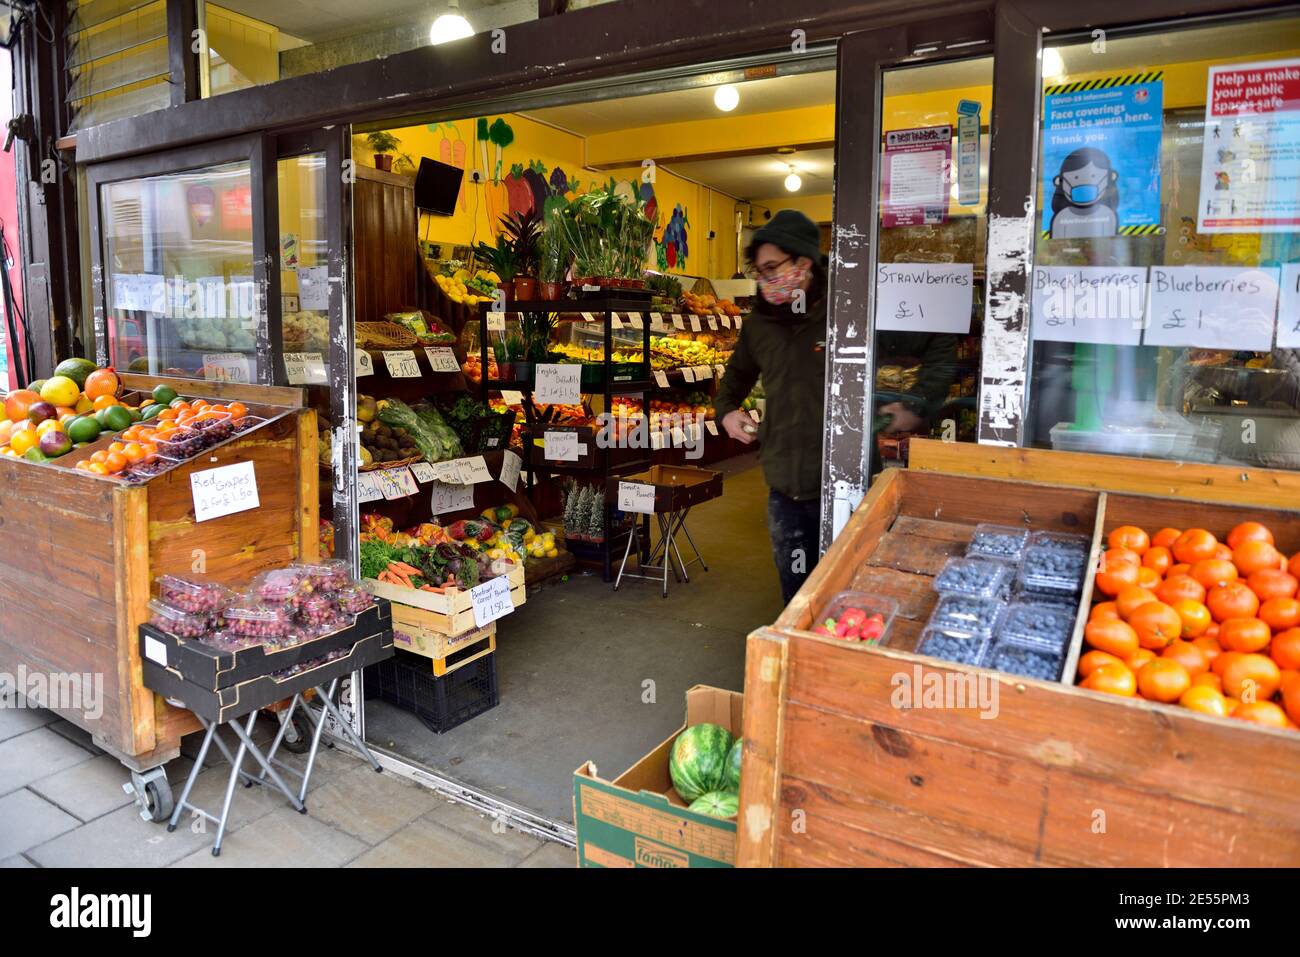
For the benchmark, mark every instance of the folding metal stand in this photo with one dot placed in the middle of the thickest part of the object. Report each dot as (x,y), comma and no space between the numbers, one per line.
(664,551)
(268,762)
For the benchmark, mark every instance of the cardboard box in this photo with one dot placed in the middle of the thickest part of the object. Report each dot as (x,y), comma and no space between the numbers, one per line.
(639,819)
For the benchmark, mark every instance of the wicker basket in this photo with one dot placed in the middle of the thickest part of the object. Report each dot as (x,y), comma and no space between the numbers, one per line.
(384,335)
(376,466)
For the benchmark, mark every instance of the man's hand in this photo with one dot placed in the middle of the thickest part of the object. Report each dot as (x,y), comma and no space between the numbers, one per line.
(903,419)
(739,426)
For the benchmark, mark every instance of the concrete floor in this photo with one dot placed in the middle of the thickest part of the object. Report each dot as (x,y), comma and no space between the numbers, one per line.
(588,673)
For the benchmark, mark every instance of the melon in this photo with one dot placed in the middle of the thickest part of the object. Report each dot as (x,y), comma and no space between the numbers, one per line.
(75,369)
(698,761)
(731,777)
(723,804)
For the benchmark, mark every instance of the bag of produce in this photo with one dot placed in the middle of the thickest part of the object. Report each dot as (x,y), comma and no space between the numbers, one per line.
(434,443)
(438,427)
(474,528)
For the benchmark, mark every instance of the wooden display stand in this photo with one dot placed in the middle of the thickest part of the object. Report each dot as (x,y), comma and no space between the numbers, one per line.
(1051,774)
(80,553)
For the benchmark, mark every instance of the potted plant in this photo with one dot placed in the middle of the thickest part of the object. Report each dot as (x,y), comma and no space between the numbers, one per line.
(523,232)
(384,144)
(535,332)
(501,260)
(512,363)
(554,261)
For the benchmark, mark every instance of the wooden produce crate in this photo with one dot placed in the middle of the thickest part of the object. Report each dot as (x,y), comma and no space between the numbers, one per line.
(1022,772)
(446,652)
(449,612)
(79,554)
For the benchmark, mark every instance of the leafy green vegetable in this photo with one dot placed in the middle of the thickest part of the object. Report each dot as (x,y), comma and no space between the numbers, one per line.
(375,556)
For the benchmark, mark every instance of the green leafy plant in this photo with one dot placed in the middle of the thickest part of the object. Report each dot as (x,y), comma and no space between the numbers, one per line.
(607,233)
(515,349)
(381,141)
(535,330)
(664,285)
(554,250)
(500,258)
(523,231)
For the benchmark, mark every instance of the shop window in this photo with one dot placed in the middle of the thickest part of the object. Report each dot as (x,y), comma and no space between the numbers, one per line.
(1165,300)
(304,269)
(178,273)
(117,60)
(930,259)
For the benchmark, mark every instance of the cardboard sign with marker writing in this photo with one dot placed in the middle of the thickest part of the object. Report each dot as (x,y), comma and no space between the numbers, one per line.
(305,368)
(924,297)
(442,359)
(510,465)
(223,491)
(558,384)
(491,600)
(560,446)
(636,497)
(451,498)
(402,364)
(362,363)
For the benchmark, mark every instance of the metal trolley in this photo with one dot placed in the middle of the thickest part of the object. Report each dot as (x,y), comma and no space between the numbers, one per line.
(668,493)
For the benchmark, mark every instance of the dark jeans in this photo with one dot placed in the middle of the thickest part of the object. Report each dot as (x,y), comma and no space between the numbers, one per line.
(794,527)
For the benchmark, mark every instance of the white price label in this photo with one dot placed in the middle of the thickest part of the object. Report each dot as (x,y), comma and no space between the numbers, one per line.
(721,370)
(636,497)
(451,498)
(661,378)
(711,426)
(615,321)
(713,323)
(588,317)
(511,397)
(368,487)
(726,322)
(634,320)
(396,483)
(223,491)
(442,358)
(473,470)
(678,321)
(703,372)
(738,322)
(1212,307)
(557,384)
(362,363)
(402,364)
(496,322)
(688,373)
(305,368)
(1288,311)
(695,324)
(656,440)
(560,446)
(227,367)
(314,287)
(1101,304)
(679,436)
(510,465)
(656,321)
(491,600)
(448,472)
(422,471)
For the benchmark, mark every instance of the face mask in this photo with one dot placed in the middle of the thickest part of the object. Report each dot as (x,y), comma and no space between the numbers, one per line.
(1083,193)
(781,289)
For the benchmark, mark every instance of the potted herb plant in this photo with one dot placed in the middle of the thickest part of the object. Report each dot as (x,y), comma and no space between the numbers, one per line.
(554,260)
(501,260)
(523,232)
(384,144)
(513,348)
(505,369)
(535,332)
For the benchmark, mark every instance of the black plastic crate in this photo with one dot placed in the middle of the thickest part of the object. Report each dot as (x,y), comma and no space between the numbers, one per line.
(406,681)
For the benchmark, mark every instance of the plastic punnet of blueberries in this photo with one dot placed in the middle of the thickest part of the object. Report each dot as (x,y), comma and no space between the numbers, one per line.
(975,577)
(952,645)
(1001,542)
(1021,660)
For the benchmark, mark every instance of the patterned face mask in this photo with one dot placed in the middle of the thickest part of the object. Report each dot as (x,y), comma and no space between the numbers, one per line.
(780,289)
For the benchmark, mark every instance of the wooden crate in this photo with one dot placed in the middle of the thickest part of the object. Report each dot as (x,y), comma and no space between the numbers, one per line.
(1060,776)
(449,612)
(79,554)
(447,652)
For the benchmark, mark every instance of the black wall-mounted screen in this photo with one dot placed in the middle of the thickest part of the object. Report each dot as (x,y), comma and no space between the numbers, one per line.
(436,187)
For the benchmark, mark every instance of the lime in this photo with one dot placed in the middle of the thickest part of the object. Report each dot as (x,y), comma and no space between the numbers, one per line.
(82,429)
(176,401)
(34,454)
(135,414)
(163,394)
(151,411)
(115,418)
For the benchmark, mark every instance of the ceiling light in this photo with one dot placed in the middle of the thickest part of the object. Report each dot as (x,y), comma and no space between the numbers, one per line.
(450,26)
(726,98)
(1053,65)
(793,182)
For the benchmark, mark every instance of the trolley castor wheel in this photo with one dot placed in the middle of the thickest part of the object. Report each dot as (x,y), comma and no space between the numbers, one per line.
(152,792)
(297,736)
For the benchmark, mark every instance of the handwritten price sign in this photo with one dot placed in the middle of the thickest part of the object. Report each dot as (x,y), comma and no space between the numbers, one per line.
(491,600)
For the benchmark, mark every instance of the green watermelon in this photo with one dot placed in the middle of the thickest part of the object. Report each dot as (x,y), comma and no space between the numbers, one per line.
(699,760)
(724,804)
(731,778)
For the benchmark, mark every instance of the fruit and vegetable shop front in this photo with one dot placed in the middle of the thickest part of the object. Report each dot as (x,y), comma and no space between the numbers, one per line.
(486,304)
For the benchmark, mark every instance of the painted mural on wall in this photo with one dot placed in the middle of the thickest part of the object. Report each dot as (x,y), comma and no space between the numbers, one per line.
(452,150)
(671,249)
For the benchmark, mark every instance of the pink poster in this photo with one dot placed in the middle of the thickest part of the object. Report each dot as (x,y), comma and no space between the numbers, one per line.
(916,176)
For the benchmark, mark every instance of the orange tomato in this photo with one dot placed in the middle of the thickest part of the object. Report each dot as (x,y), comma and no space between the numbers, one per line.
(1149,578)
(1140,657)
(1249,532)
(1166,537)
(1244,634)
(1261,712)
(1285,649)
(1251,677)
(1222,552)
(1188,655)
(1111,555)
(1156,624)
(1194,545)
(1105,609)
(1213,632)
(1280,613)
(1194,616)
(1210,646)
(1112,679)
(1214,571)
(1130,537)
(1293,566)
(1114,637)
(1273,583)
(1090,661)
(1159,558)
(1180,588)
(1127,601)
(1233,600)
(1254,556)
(1291,697)
(1208,679)
(1113,577)
(1180,570)
(1220,664)
(1206,699)
(1163,680)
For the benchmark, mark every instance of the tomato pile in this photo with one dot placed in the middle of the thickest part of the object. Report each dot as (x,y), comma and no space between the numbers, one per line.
(1213,626)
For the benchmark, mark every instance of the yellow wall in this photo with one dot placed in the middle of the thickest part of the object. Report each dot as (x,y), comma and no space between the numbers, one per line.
(816,206)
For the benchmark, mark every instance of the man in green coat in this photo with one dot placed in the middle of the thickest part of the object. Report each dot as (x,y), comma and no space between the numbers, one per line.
(784,341)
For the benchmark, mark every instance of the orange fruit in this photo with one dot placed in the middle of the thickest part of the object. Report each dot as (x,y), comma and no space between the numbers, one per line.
(166,415)
(1249,532)
(1233,600)
(1187,655)
(1194,545)
(1090,661)
(115,462)
(134,452)
(1115,576)
(1208,679)
(1149,578)
(98,468)
(1112,679)
(1195,617)
(1181,570)
(1280,613)
(1209,645)
(1285,649)
(1205,699)
(100,383)
(1293,566)
(1251,677)
(1140,657)
(1253,556)
(1214,571)
(1114,637)
(1166,537)
(1127,601)
(1244,634)
(1159,558)
(116,446)
(1120,555)
(1105,609)
(237,410)
(1222,552)
(1291,697)
(1163,680)
(1130,537)
(1180,588)
(99,456)
(1273,583)
(1156,624)
(104,401)
(1261,712)
(1220,664)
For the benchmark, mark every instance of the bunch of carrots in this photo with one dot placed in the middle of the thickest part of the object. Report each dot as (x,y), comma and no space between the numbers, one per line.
(400,573)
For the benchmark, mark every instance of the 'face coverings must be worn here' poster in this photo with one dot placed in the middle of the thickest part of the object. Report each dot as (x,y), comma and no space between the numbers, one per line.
(1101,156)
(1250,161)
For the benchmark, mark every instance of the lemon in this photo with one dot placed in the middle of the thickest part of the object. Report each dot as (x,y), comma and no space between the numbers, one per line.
(20,442)
(84,405)
(60,390)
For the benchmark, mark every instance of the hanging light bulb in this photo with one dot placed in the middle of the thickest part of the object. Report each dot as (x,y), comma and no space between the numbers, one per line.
(450,26)
(793,182)
(726,98)
(1053,65)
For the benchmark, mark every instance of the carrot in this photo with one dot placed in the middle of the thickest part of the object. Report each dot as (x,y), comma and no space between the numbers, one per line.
(404,568)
